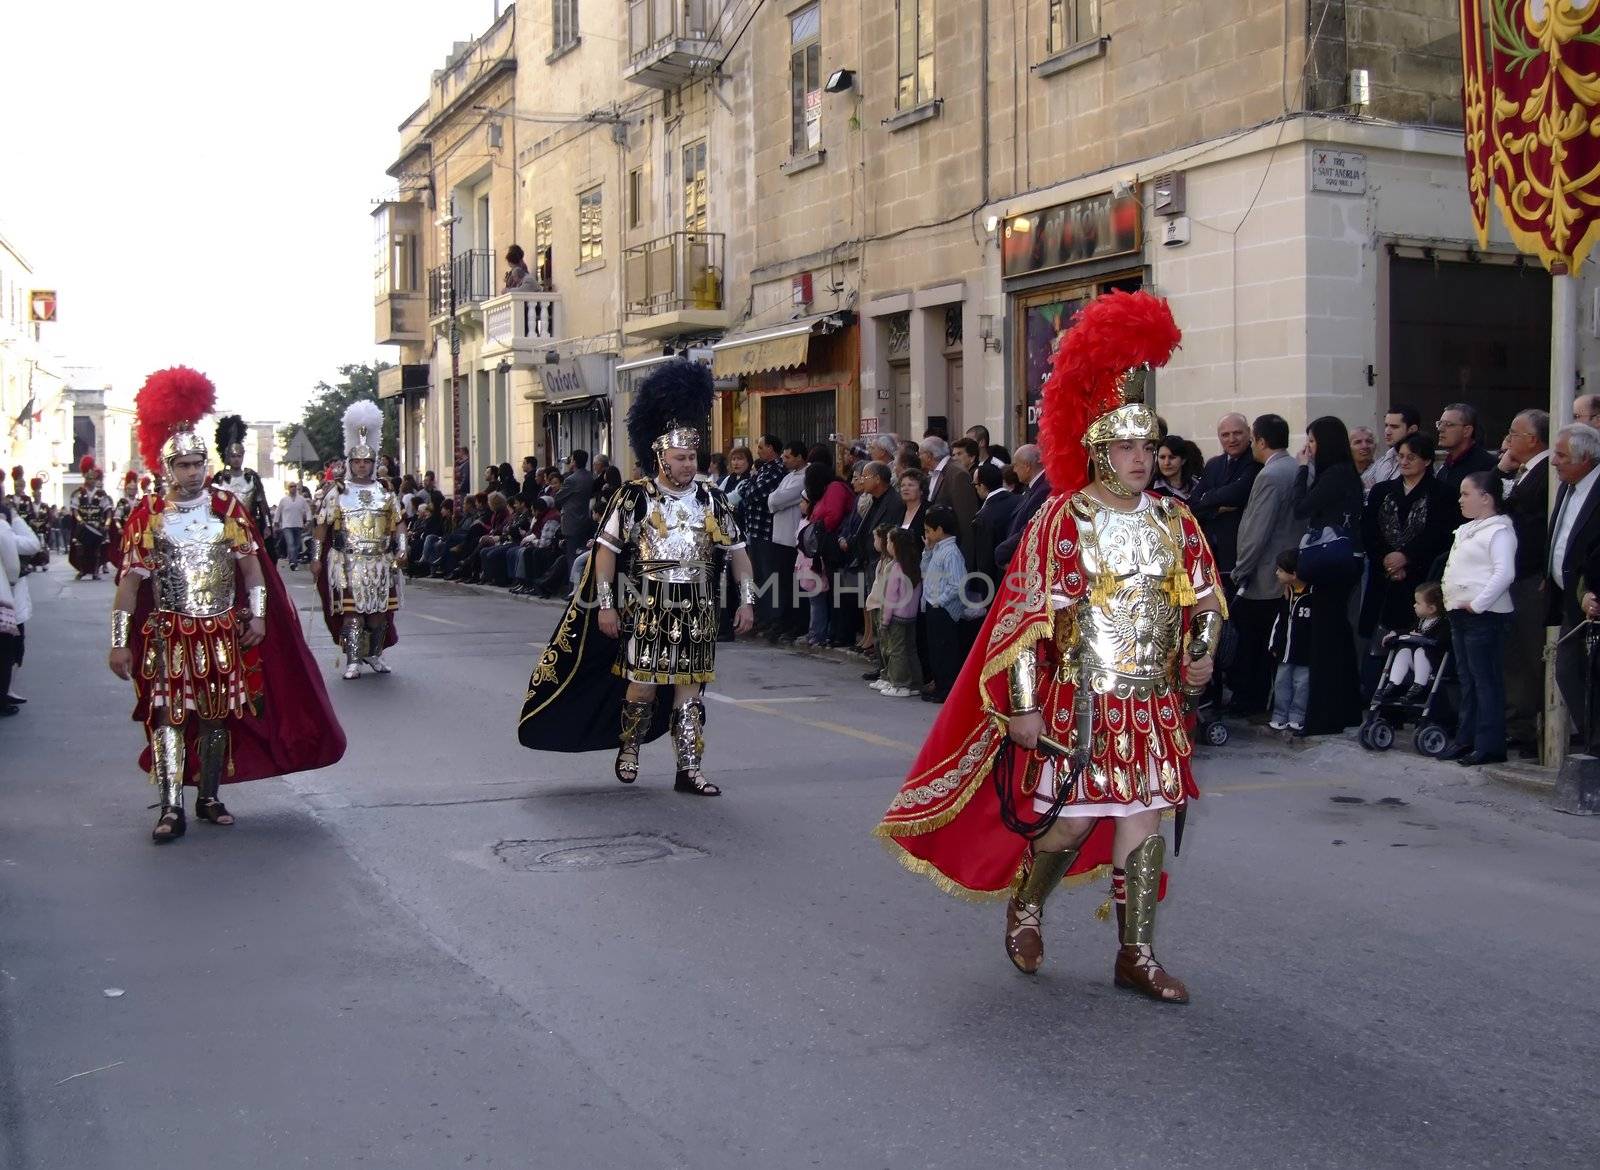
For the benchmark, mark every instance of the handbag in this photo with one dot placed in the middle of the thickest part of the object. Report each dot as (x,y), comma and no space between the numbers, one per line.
(1330,558)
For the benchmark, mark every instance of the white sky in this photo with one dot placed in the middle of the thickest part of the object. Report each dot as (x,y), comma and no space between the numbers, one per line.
(195,179)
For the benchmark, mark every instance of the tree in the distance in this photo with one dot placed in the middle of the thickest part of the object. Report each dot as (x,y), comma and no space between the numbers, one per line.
(324,413)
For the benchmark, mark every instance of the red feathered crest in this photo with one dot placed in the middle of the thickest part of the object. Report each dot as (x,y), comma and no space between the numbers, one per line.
(1110,336)
(17,472)
(86,465)
(170,400)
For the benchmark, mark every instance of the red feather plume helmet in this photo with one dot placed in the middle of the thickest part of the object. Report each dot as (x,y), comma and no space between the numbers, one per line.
(86,465)
(170,405)
(17,472)
(1095,389)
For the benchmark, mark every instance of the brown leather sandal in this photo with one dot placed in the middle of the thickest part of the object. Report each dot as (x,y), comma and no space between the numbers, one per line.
(1137,969)
(1024,938)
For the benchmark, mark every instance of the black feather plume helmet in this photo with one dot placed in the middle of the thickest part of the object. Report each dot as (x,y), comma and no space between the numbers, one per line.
(678,394)
(230,430)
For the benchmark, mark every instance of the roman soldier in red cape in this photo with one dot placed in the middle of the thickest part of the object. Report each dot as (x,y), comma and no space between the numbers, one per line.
(225,685)
(1066,737)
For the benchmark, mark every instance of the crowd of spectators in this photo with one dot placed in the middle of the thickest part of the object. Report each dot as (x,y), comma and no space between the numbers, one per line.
(1338,548)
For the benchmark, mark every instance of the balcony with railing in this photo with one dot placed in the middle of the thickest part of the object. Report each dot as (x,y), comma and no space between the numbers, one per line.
(669,41)
(673,285)
(521,323)
(470,274)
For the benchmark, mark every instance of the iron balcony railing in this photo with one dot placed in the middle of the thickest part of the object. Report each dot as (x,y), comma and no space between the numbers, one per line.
(470,273)
(673,273)
(655,23)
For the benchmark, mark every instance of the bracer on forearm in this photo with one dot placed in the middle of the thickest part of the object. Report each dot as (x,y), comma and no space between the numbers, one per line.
(1024,684)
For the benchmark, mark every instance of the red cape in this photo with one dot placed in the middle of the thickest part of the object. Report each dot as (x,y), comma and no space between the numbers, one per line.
(294,728)
(945,821)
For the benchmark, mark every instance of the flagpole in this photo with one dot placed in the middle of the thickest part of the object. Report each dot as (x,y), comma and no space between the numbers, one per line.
(1563,385)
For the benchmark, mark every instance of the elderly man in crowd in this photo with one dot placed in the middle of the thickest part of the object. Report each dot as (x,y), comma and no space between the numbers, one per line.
(1266,528)
(789,609)
(1364,450)
(1525,480)
(1028,464)
(1464,450)
(1574,554)
(950,486)
(577,486)
(1586,410)
(1219,498)
(1402,419)
(996,511)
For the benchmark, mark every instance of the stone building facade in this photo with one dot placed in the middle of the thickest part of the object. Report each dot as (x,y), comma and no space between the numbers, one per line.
(875,218)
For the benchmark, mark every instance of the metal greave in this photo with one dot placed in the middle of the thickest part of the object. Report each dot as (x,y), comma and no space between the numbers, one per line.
(1143,885)
(687,740)
(213,749)
(166,764)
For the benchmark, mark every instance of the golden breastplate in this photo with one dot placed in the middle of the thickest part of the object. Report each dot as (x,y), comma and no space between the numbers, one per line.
(366,517)
(1128,631)
(195,567)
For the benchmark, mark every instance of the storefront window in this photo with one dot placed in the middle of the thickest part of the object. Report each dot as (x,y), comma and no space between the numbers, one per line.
(1043,317)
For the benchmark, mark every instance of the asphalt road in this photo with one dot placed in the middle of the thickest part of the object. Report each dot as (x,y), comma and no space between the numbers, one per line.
(448,951)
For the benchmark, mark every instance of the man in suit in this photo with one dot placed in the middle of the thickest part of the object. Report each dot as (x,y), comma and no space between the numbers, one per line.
(873,483)
(1266,527)
(1525,475)
(1586,409)
(1029,466)
(1219,498)
(572,498)
(993,521)
(1574,544)
(950,486)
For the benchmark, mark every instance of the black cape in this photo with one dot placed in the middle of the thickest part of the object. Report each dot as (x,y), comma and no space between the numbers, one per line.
(574,701)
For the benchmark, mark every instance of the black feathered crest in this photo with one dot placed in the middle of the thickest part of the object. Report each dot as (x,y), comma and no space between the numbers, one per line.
(678,393)
(230,430)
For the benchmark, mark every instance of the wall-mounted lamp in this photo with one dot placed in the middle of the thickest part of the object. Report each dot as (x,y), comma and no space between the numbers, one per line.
(552,357)
(839,81)
(986,329)
(991,224)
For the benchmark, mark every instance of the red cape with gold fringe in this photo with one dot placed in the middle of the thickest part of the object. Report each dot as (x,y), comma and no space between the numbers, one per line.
(945,821)
(293,727)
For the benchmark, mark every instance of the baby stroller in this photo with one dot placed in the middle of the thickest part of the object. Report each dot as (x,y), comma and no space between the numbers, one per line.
(1425,705)
(1207,706)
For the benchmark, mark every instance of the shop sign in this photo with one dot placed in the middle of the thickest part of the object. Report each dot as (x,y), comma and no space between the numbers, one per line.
(1073,233)
(561,381)
(1338,172)
(869,425)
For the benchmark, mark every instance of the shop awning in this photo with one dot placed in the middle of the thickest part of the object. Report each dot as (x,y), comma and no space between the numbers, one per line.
(782,348)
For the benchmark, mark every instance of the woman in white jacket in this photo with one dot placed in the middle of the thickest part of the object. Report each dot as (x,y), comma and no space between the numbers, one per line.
(1477,592)
(18,542)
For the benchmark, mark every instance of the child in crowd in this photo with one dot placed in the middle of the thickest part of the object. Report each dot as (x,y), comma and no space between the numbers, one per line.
(872,610)
(1420,649)
(902,600)
(1290,644)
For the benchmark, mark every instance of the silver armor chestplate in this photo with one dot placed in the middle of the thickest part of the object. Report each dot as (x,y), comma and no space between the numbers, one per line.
(367,517)
(194,563)
(675,538)
(363,568)
(1128,644)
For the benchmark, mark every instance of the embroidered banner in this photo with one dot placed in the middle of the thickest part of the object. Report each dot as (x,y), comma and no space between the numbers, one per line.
(1531,88)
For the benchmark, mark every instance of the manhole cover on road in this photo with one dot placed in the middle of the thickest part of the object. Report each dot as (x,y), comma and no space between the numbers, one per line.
(593,852)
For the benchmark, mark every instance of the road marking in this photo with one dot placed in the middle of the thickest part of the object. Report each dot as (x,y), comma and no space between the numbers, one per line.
(428,617)
(716,698)
(824,725)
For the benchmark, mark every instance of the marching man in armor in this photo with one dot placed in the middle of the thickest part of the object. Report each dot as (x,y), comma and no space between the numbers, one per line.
(242,481)
(226,687)
(92,518)
(1067,739)
(361,536)
(644,615)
